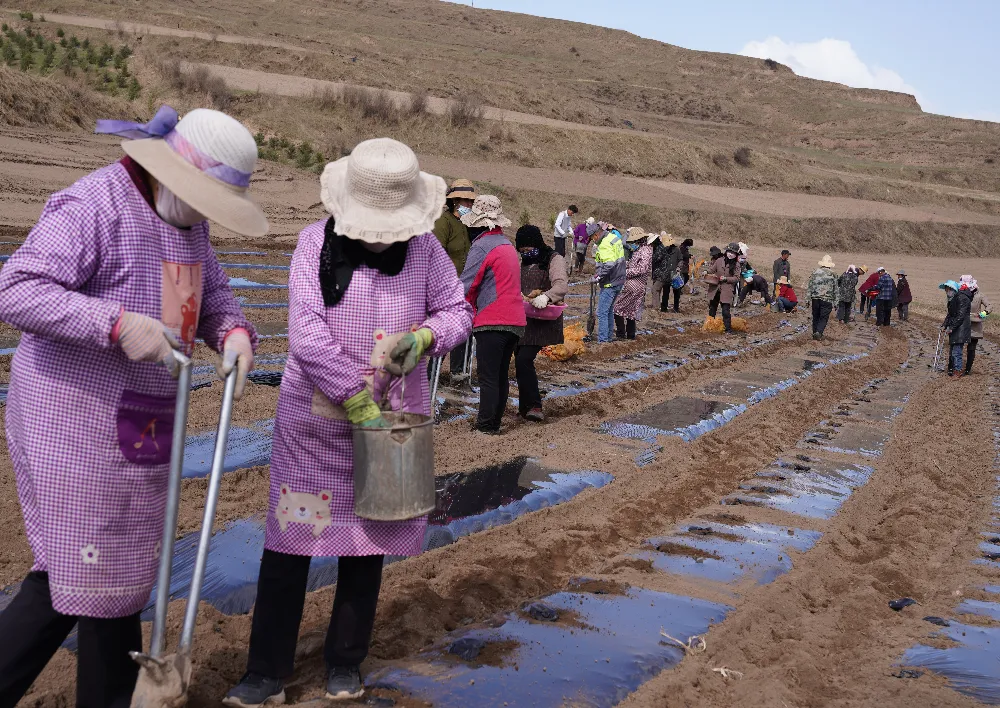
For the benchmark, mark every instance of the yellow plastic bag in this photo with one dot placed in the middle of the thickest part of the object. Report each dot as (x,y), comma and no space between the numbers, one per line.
(573,344)
(714,325)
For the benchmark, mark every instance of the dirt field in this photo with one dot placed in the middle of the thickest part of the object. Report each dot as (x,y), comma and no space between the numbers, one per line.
(702,520)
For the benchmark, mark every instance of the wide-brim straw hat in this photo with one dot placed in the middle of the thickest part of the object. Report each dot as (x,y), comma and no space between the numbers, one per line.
(783,280)
(863,269)
(486,211)
(378,194)
(636,233)
(827,262)
(206,161)
(461,189)
(667,240)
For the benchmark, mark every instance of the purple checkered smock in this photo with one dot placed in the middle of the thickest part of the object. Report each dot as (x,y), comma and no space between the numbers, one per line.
(333,353)
(89,431)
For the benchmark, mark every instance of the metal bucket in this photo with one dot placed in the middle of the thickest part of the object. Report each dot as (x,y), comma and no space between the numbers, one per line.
(394,468)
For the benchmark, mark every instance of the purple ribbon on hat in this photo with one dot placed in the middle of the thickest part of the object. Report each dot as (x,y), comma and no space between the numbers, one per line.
(162,123)
(162,126)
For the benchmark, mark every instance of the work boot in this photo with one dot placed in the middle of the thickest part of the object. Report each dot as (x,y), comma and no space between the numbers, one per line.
(535,415)
(255,690)
(817,336)
(344,683)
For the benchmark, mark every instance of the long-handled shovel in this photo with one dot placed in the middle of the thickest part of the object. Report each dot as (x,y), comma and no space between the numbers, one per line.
(591,319)
(164,680)
(435,378)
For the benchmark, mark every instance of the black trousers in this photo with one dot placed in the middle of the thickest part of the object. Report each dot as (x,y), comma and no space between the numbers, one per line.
(457,360)
(904,311)
(668,288)
(624,328)
(494,350)
(560,246)
(281,595)
(31,631)
(862,303)
(844,311)
(727,311)
(883,312)
(821,315)
(528,396)
(971,354)
(764,293)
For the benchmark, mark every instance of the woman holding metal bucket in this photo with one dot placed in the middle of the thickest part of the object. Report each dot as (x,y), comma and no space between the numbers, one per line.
(116,275)
(371,292)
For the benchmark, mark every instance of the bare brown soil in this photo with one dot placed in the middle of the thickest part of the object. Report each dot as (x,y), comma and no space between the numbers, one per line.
(863,175)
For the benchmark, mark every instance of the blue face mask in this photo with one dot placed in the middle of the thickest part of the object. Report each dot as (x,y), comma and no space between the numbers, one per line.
(632,246)
(463,210)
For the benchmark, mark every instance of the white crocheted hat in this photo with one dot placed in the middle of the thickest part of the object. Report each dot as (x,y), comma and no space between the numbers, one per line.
(206,160)
(487,211)
(378,194)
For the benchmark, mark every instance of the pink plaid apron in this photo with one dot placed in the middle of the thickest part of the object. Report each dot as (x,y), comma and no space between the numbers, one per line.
(333,353)
(89,431)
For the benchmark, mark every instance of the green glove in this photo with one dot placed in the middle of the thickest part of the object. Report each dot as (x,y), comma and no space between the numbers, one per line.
(364,412)
(406,354)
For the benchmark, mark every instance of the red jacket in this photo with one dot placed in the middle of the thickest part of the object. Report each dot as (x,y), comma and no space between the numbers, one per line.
(786,292)
(492,280)
(870,284)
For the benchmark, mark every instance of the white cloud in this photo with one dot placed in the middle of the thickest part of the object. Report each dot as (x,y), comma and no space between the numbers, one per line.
(829,60)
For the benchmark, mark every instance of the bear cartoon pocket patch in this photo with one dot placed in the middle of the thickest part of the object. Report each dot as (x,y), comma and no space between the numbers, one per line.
(301,508)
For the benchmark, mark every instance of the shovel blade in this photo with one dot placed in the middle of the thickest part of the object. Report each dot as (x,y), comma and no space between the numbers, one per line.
(162,683)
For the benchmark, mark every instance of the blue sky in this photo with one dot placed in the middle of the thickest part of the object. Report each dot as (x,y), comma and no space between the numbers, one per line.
(944,51)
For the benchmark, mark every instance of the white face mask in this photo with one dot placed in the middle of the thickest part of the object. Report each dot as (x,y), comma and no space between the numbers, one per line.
(175,212)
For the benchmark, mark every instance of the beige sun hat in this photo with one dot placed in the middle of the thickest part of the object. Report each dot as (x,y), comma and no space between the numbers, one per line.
(461,189)
(378,194)
(783,280)
(651,239)
(206,159)
(827,262)
(667,240)
(590,221)
(486,211)
(635,233)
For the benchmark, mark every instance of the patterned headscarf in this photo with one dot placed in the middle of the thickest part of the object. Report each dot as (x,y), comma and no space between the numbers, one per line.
(968,283)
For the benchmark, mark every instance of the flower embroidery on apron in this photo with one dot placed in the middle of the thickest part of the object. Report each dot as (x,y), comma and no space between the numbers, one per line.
(89,554)
(180,301)
(301,508)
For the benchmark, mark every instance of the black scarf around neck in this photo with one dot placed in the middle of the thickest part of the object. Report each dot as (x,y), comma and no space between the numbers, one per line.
(341,256)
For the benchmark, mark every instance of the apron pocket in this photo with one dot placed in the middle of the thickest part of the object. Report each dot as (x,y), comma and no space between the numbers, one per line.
(145,428)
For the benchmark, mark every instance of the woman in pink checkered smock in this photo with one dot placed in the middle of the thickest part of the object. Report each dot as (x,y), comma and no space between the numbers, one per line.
(371,291)
(103,288)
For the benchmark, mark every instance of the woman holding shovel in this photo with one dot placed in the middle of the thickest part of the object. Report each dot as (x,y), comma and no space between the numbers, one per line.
(371,292)
(116,274)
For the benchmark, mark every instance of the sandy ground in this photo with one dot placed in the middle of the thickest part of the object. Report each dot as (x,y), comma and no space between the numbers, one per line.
(909,531)
(819,636)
